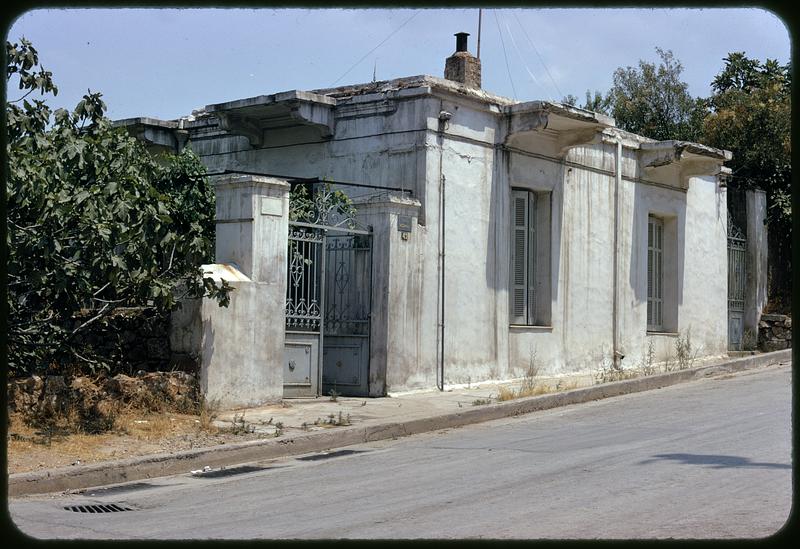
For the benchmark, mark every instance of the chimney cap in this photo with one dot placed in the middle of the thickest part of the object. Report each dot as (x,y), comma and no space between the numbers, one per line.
(461,41)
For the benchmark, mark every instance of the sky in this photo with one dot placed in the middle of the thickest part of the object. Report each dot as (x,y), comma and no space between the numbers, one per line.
(164,63)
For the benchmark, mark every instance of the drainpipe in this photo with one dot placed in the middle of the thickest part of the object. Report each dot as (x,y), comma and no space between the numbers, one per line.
(444,116)
(615,309)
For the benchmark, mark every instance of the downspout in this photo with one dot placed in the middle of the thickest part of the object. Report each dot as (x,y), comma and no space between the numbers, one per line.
(615,298)
(444,116)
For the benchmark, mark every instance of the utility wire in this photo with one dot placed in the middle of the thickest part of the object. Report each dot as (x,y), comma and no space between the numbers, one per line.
(508,69)
(537,53)
(376,47)
(524,64)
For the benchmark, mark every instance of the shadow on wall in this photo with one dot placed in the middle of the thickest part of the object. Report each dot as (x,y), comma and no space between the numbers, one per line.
(206,354)
(715,461)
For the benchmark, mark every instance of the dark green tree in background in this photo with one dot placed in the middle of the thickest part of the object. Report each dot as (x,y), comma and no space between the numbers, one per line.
(94,222)
(653,101)
(751,117)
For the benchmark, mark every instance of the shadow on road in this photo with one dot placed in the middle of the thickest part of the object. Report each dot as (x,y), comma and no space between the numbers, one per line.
(714,461)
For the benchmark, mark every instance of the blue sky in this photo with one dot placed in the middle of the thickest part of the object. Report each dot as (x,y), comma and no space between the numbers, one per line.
(166,62)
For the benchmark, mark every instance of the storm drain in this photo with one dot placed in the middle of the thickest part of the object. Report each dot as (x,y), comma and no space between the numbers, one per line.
(229,472)
(329,455)
(108,508)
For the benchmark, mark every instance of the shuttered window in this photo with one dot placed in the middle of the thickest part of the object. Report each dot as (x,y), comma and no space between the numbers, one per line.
(523,207)
(655,274)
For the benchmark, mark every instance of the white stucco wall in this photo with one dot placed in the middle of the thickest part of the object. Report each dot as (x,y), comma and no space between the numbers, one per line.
(406,150)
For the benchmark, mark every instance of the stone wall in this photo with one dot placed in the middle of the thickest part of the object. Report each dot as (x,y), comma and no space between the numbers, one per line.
(58,395)
(774,332)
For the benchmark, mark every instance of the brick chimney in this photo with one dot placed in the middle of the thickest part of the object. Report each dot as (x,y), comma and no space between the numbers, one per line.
(462,66)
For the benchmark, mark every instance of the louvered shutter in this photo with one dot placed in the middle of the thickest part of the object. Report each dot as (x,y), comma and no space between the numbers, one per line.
(655,274)
(522,290)
(519,257)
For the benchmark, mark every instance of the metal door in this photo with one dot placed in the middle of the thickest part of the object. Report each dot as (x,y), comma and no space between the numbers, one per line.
(737,279)
(304,302)
(347,291)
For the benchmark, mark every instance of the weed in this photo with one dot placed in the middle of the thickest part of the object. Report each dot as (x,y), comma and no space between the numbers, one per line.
(336,422)
(334,395)
(278,428)
(749,340)
(481,401)
(208,413)
(647,366)
(684,352)
(505,393)
(240,426)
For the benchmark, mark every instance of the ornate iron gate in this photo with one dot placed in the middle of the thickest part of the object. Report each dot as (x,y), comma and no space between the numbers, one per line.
(328,299)
(348,289)
(737,269)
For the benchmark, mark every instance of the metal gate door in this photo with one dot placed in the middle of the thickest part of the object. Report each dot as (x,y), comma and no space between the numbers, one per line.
(328,300)
(348,289)
(301,365)
(737,278)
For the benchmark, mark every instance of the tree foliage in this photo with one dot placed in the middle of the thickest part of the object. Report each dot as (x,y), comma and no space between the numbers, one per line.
(751,117)
(653,100)
(94,222)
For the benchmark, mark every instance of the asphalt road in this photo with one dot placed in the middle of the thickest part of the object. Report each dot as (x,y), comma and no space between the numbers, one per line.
(707,459)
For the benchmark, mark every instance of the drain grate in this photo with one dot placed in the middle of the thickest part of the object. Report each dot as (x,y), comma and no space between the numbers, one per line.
(108,508)
(219,473)
(328,455)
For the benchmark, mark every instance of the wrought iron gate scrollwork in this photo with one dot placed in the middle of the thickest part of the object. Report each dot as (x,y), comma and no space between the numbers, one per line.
(303,299)
(737,268)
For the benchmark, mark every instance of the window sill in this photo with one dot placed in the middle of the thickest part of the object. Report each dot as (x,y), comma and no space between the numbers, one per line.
(668,334)
(533,328)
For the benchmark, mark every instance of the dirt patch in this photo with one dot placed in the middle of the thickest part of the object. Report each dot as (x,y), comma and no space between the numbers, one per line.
(135,433)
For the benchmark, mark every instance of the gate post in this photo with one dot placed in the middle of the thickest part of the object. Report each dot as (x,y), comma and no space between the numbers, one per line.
(396,286)
(243,344)
(756,257)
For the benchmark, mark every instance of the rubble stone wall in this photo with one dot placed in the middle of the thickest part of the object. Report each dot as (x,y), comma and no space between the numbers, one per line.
(774,332)
(152,391)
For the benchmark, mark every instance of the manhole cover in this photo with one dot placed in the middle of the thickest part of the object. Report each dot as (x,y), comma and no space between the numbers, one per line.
(108,508)
(328,455)
(230,471)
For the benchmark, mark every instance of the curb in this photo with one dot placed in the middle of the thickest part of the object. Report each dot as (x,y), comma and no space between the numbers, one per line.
(157,465)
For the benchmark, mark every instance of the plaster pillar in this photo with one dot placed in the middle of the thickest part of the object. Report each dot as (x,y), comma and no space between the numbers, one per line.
(397,244)
(756,256)
(243,344)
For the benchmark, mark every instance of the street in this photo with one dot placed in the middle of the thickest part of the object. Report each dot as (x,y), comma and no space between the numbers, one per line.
(705,459)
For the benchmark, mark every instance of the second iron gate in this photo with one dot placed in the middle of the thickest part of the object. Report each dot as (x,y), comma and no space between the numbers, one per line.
(328,306)
(737,269)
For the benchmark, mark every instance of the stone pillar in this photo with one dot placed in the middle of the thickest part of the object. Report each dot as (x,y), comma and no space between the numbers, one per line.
(396,284)
(243,344)
(756,256)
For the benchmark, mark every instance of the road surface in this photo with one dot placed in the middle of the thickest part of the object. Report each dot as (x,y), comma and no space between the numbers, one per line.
(707,459)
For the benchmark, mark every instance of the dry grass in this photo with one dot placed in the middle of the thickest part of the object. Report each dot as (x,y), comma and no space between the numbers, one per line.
(526,390)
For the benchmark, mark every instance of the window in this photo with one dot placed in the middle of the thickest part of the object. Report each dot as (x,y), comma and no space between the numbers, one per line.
(523,266)
(655,274)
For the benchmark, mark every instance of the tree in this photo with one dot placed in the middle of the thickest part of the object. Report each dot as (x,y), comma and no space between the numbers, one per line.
(653,101)
(751,117)
(570,100)
(598,102)
(94,222)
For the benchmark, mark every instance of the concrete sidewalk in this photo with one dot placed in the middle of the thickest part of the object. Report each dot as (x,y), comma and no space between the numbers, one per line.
(312,425)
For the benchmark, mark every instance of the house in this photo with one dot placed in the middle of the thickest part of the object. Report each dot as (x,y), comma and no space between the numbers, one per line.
(492,233)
